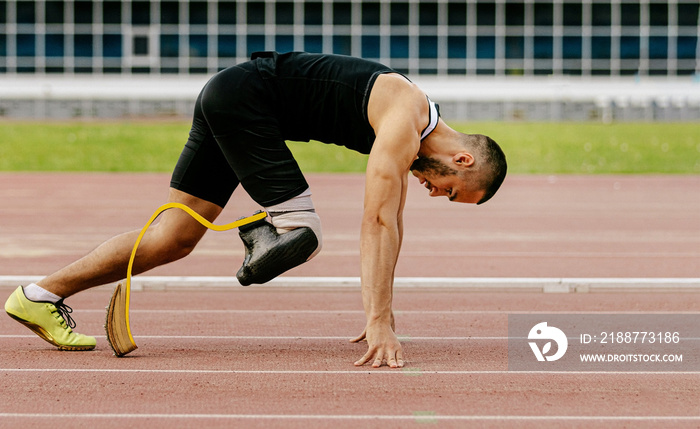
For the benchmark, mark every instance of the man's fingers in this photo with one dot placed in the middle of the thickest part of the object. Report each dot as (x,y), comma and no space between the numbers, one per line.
(399,359)
(362,336)
(366,358)
(395,361)
(380,357)
(383,348)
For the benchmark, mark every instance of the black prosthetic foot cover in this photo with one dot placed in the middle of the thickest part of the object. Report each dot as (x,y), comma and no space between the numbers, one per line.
(269,254)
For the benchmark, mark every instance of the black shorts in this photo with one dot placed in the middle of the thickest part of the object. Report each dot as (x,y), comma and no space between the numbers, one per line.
(234,139)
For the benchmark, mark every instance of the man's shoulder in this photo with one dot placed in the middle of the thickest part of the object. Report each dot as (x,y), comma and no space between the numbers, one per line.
(396,89)
(398,98)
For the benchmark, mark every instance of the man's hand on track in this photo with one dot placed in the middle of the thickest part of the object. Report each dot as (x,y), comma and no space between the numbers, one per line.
(383,346)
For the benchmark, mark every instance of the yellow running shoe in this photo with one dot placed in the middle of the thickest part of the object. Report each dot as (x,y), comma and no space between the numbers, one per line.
(52,322)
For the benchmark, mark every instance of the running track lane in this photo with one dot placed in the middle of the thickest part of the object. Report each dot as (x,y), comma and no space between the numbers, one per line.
(554,226)
(280,358)
(290,366)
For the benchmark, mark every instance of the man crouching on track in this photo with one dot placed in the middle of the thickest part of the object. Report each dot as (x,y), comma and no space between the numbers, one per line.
(242,118)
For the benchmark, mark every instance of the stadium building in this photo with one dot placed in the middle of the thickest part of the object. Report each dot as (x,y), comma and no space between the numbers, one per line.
(612,59)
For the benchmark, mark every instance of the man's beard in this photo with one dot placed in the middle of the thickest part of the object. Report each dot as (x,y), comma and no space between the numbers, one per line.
(432,167)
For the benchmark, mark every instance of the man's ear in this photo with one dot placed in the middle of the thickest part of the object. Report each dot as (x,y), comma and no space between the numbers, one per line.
(463,159)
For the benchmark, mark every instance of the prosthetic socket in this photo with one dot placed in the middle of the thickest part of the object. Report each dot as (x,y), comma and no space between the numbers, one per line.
(291,238)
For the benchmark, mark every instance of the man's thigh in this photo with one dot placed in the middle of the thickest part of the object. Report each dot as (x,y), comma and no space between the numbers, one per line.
(202,170)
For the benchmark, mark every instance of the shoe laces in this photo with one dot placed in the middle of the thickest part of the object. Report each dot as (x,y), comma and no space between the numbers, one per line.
(64,311)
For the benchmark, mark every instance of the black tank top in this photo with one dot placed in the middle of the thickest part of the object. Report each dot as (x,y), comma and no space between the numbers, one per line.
(321,97)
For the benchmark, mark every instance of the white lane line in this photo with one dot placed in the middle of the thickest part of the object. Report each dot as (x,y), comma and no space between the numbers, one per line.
(418,416)
(396,311)
(278,337)
(403,371)
(309,338)
(546,284)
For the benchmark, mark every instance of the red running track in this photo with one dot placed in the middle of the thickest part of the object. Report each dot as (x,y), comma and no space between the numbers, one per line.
(557,226)
(272,357)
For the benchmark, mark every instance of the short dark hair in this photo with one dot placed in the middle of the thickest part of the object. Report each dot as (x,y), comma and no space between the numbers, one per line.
(494,168)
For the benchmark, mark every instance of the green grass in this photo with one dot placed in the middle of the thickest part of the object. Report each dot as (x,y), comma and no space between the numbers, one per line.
(584,148)
(87,146)
(531,148)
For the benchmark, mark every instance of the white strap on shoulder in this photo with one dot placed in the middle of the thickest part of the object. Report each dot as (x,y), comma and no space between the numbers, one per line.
(433,120)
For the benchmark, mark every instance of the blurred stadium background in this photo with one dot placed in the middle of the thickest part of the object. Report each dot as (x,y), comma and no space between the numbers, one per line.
(600,60)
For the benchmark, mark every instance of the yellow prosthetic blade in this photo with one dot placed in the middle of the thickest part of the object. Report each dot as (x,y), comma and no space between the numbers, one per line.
(117,326)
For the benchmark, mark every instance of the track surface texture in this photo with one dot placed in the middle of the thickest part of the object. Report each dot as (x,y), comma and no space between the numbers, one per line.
(555,226)
(270,356)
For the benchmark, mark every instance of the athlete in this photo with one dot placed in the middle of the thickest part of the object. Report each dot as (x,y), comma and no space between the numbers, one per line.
(242,118)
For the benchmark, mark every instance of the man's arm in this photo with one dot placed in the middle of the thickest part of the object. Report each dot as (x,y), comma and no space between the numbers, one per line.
(380,242)
(397,110)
